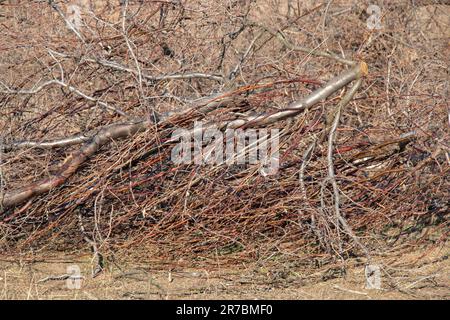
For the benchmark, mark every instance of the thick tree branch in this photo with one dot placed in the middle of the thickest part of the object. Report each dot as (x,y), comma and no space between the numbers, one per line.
(296,107)
(72,163)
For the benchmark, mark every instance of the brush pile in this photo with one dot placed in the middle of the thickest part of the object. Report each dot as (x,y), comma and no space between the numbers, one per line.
(93,94)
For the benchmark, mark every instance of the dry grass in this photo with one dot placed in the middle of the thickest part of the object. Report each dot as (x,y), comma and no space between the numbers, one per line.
(423,274)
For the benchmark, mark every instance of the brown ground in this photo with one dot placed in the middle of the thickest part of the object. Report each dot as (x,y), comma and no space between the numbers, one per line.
(423,274)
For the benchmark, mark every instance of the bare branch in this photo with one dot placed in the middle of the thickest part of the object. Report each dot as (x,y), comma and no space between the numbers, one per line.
(70,88)
(332,176)
(72,163)
(296,107)
(148,77)
(48,144)
(130,49)
(307,50)
(175,76)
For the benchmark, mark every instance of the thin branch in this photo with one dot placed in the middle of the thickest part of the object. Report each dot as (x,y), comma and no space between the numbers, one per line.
(296,107)
(233,73)
(315,52)
(47,144)
(130,49)
(306,158)
(148,77)
(97,258)
(331,174)
(70,88)
(176,76)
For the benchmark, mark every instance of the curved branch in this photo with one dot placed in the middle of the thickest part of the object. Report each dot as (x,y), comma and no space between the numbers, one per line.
(120,67)
(71,164)
(68,23)
(175,76)
(189,75)
(331,174)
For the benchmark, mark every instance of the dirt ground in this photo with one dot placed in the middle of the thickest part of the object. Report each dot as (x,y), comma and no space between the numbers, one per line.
(423,274)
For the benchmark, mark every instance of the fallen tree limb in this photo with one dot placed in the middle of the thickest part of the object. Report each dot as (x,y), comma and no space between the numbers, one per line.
(296,107)
(118,131)
(72,163)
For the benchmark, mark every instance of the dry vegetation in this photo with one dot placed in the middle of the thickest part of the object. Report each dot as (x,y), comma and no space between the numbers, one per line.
(359,181)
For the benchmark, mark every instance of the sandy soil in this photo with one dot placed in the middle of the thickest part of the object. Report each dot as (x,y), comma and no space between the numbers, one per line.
(423,274)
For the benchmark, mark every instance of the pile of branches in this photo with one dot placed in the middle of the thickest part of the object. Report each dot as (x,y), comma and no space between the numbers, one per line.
(91,113)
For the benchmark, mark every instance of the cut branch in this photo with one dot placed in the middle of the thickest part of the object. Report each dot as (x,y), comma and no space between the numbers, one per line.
(296,107)
(331,175)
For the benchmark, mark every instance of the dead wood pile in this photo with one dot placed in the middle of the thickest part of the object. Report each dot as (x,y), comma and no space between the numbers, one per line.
(88,115)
